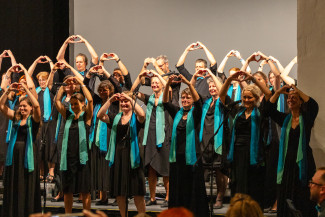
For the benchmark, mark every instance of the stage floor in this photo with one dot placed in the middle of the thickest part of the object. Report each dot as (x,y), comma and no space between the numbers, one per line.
(58,207)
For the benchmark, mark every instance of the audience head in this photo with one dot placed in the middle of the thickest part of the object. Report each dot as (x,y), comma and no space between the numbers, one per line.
(242,205)
(200,64)
(162,62)
(176,212)
(81,62)
(317,186)
(251,96)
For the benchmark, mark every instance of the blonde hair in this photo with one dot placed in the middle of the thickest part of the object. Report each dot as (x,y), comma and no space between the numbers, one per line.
(255,91)
(42,75)
(242,205)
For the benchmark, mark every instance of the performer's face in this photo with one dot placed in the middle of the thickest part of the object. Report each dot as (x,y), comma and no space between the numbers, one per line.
(156,84)
(260,79)
(117,74)
(125,105)
(42,82)
(249,100)
(199,65)
(76,105)
(80,63)
(294,101)
(163,65)
(272,79)
(103,93)
(187,101)
(24,108)
(213,89)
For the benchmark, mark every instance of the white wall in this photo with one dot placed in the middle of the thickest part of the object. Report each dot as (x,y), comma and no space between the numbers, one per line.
(311,58)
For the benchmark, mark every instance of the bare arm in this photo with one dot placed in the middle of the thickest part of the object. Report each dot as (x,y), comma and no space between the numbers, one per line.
(75,72)
(276,73)
(12,57)
(102,111)
(9,113)
(94,56)
(89,107)
(29,80)
(58,104)
(285,74)
(60,56)
(208,53)
(181,60)
(36,107)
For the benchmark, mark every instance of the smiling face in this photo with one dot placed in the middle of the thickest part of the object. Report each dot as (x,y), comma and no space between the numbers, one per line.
(163,65)
(76,105)
(80,63)
(42,82)
(213,90)
(249,101)
(25,109)
(272,79)
(125,105)
(117,74)
(103,92)
(294,101)
(156,85)
(187,101)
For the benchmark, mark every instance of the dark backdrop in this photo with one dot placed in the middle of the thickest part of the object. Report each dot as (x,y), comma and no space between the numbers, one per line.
(33,28)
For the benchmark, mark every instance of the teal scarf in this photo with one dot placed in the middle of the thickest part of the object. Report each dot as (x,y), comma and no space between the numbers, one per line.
(93,124)
(218,119)
(58,122)
(160,121)
(46,103)
(12,107)
(281,101)
(83,154)
(29,153)
(301,158)
(255,136)
(190,151)
(134,152)
(237,93)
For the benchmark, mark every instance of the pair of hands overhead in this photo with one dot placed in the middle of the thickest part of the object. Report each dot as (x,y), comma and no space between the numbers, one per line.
(195,46)
(6,53)
(241,76)
(234,53)
(120,97)
(288,88)
(43,59)
(109,56)
(17,68)
(74,39)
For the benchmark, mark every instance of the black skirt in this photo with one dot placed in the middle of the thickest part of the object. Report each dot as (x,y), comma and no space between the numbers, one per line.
(99,168)
(187,187)
(50,148)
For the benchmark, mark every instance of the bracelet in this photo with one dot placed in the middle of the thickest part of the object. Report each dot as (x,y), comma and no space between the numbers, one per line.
(241,59)
(83,85)
(118,60)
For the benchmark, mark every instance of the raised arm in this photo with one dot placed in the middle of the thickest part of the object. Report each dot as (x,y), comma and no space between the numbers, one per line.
(75,72)
(263,88)
(215,79)
(208,53)
(276,73)
(49,82)
(12,57)
(113,56)
(94,56)
(89,107)
(102,111)
(191,47)
(285,74)
(195,95)
(282,90)
(69,40)
(29,81)
(58,104)
(224,88)
(224,61)
(3,99)
(40,59)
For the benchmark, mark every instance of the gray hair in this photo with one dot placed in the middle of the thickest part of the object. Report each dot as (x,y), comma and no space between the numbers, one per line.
(163,57)
(255,90)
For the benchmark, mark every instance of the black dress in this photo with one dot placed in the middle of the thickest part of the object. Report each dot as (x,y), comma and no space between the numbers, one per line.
(48,136)
(119,170)
(157,158)
(3,134)
(186,183)
(76,179)
(246,178)
(100,171)
(22,196)
(291,187)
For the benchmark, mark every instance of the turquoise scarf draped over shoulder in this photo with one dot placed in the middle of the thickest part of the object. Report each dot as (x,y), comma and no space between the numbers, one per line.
(29,152)
(237,93)
(46,103)
(218,119)
(301,152)
(93,125)
(134,152)
(58,122)
(12,107)
(255,136)
(160,121)
(190,150)
(83,152)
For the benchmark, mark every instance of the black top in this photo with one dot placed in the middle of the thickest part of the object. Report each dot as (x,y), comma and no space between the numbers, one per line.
(181,127)
(201,85)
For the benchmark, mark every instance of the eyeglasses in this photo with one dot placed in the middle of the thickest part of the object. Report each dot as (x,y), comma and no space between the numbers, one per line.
(314,183)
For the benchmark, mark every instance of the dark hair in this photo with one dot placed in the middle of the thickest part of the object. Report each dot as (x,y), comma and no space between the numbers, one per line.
(83,56)
(202,61)
(78,96)
(262,75)
(186,91)
(66,77)
(17,115)
(106,84)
